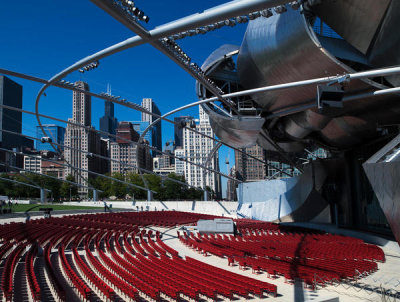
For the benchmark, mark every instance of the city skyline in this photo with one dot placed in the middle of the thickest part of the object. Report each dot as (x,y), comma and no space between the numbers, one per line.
(130,72)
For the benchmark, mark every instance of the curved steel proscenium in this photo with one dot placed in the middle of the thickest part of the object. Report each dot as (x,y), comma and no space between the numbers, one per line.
(287,47)
(239,131)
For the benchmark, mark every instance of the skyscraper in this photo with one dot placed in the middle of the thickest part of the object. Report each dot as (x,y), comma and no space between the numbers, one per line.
(126,152)
(149,105)
(231,185)
(11,120)
(139,127)
(197,149)
(108,123)
(248,168)
(55,132)
(79,138)
(178,129)
(82,106)
(179,164)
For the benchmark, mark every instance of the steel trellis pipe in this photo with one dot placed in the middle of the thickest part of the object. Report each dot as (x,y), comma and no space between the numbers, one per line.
(111,135)
(80,169)
(129,105)
(23,183)
(229,10)
(98,156)
(49,176)
(283,111)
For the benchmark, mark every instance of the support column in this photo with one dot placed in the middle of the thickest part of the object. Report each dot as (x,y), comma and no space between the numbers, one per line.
(149,195)
(42,195)
(205,195)
(95,195)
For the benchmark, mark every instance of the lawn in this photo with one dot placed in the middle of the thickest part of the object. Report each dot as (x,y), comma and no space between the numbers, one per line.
(56,207)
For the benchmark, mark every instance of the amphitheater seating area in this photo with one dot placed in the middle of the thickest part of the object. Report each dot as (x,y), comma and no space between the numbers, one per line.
(294,253)
(122,256)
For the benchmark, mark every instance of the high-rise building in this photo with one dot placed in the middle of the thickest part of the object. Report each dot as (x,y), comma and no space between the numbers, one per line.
(231,185)
(33,163)
(126,152)
(156,135)
(139,127)
(197,149)
(248,168)
(84,139)
(179,164)
(55,132)
(11,120)
(37,163)
(178,129)
(108,123)
(164,163)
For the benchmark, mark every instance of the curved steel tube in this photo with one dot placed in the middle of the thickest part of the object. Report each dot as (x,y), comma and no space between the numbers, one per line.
(80,169)
(23,183)
(48,176)
(229,10)
(208,159)
(95,155)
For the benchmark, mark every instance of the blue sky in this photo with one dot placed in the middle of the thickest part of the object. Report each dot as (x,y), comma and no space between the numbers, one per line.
(41,38)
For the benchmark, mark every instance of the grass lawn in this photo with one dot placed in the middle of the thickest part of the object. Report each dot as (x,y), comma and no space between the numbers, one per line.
(56,207)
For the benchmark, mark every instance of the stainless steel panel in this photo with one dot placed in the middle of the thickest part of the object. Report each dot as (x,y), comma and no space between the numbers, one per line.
(385,180)
(355,20)
(240,133)
(303,123)
(385,51)
(282,49)
(360,121)
(288,146)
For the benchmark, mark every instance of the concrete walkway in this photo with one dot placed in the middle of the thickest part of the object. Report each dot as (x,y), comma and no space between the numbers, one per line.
(367,289)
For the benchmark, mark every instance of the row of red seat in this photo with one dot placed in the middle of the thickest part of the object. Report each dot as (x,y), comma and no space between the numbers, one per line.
(30,274)
(7,276)
(116,269)
(82,289)
(50,270)
(92,277)
(132,269)
(127,289)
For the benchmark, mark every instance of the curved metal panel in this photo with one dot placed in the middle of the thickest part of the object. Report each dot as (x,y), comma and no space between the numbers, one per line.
(282,49)
(385,51)
(355,20)
(240,132)
(384,176)
(218,54)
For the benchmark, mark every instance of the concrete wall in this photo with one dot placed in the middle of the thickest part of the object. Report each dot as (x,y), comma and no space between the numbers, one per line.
(270,200)
(220,208)
(292,199)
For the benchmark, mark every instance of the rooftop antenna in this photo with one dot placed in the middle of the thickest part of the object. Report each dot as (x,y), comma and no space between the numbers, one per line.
(108,89)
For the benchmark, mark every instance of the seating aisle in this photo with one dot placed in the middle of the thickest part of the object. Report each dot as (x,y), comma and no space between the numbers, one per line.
(138,257)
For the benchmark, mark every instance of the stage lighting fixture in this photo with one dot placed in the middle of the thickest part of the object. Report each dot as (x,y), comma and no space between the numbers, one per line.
(266,13)
(280,9)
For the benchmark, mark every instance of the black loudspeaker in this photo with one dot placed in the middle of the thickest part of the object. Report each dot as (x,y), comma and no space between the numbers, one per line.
(329,97)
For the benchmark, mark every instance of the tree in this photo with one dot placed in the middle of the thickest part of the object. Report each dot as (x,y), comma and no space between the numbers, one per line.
(118,189)
(68,190)
(173,190)
(135,179)
(54,185)
(154,183)
(102,184)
